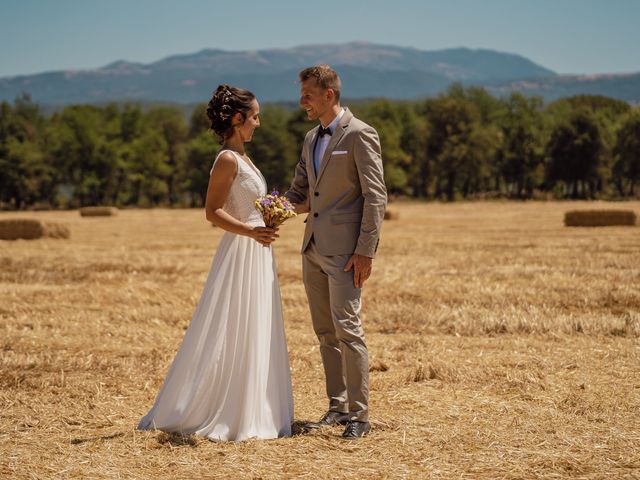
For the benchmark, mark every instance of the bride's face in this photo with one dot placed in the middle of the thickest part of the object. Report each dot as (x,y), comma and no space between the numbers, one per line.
(252,122)
(313,99)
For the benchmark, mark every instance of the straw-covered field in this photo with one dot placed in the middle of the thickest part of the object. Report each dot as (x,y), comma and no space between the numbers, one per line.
(503,345)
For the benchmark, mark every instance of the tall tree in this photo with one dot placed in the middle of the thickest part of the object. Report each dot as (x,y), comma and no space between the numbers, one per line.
(274,148)
(387,118)
(201,151)
(522,152)
(627,152)
(79,145)
(461,145)
(169,123)
(26,177)
(413,140)
(575,152)
(199,122)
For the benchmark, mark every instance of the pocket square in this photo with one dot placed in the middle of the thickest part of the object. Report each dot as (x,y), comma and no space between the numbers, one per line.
(339,152)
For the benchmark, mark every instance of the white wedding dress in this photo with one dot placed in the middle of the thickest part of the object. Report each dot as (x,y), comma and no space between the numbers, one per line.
(230,379)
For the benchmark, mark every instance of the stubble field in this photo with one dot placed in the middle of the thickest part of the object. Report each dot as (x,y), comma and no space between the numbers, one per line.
(502,345)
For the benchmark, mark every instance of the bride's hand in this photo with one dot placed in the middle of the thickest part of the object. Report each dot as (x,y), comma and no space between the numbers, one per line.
(264,235)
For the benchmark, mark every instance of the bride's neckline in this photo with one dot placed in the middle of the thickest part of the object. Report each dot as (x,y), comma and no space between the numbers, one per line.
(250,164)
(246,160)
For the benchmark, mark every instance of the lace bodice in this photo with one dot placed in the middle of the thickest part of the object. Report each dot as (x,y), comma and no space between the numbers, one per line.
(248,185)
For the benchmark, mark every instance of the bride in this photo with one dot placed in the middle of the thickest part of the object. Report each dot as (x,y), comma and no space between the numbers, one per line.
(230,379)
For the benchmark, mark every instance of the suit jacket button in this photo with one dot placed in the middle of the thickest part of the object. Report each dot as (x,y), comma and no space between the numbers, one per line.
(316,194)
(315,214)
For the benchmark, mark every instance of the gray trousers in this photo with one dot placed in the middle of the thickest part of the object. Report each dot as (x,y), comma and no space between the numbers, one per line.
(335,311)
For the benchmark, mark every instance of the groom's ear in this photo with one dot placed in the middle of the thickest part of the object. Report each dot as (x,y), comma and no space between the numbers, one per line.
(330,94)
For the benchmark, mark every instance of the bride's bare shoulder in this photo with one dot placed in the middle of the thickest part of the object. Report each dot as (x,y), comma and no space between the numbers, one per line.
(227,157)
(226,162)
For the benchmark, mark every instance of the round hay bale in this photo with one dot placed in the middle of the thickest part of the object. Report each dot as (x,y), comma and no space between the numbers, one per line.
(599,218)
(30,229)
(98,211)
(13,229)
(391,215)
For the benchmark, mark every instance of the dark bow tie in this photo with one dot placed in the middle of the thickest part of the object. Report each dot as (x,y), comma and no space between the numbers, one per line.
(323,131)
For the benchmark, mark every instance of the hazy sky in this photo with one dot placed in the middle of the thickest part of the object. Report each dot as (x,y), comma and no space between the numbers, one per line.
(568,36)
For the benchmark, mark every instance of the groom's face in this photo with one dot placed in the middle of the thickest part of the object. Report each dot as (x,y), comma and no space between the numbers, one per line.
(314,100)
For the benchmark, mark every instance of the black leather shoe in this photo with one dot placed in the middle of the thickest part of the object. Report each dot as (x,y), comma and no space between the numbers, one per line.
(330,418)
(356,430)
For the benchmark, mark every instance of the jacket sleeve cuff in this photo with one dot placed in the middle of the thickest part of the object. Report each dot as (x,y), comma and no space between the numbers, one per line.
(367,249)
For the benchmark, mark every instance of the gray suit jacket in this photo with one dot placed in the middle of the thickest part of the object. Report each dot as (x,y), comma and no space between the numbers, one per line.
(348,197)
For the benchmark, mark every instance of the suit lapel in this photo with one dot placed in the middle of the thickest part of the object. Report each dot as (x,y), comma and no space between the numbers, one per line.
(335,138)
(311,169)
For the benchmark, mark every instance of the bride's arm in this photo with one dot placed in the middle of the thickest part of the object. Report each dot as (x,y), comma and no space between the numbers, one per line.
(220,181)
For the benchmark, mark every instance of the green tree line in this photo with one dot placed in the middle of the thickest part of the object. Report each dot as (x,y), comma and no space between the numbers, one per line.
(463,144)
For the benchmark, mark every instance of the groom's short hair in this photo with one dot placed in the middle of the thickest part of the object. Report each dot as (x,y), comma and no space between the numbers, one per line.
(325,76)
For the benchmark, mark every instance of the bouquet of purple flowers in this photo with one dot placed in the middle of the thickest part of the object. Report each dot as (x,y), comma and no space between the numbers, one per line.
(275,209)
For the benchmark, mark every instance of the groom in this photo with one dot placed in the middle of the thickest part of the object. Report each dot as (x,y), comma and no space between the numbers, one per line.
(340,178)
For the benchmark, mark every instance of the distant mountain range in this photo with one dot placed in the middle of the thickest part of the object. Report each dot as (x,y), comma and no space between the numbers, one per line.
(623,86)
(367,70)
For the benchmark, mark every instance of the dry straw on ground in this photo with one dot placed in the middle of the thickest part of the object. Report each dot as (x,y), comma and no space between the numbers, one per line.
(31,228)
(502,344)
(98,211)
(599,218)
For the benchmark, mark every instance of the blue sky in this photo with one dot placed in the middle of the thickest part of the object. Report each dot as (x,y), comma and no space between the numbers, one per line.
(568,36)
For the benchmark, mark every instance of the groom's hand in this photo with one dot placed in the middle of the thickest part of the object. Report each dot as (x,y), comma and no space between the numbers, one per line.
(301,208)
(361,269)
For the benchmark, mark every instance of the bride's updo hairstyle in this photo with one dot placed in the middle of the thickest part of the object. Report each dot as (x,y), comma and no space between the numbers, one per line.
(225,103)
